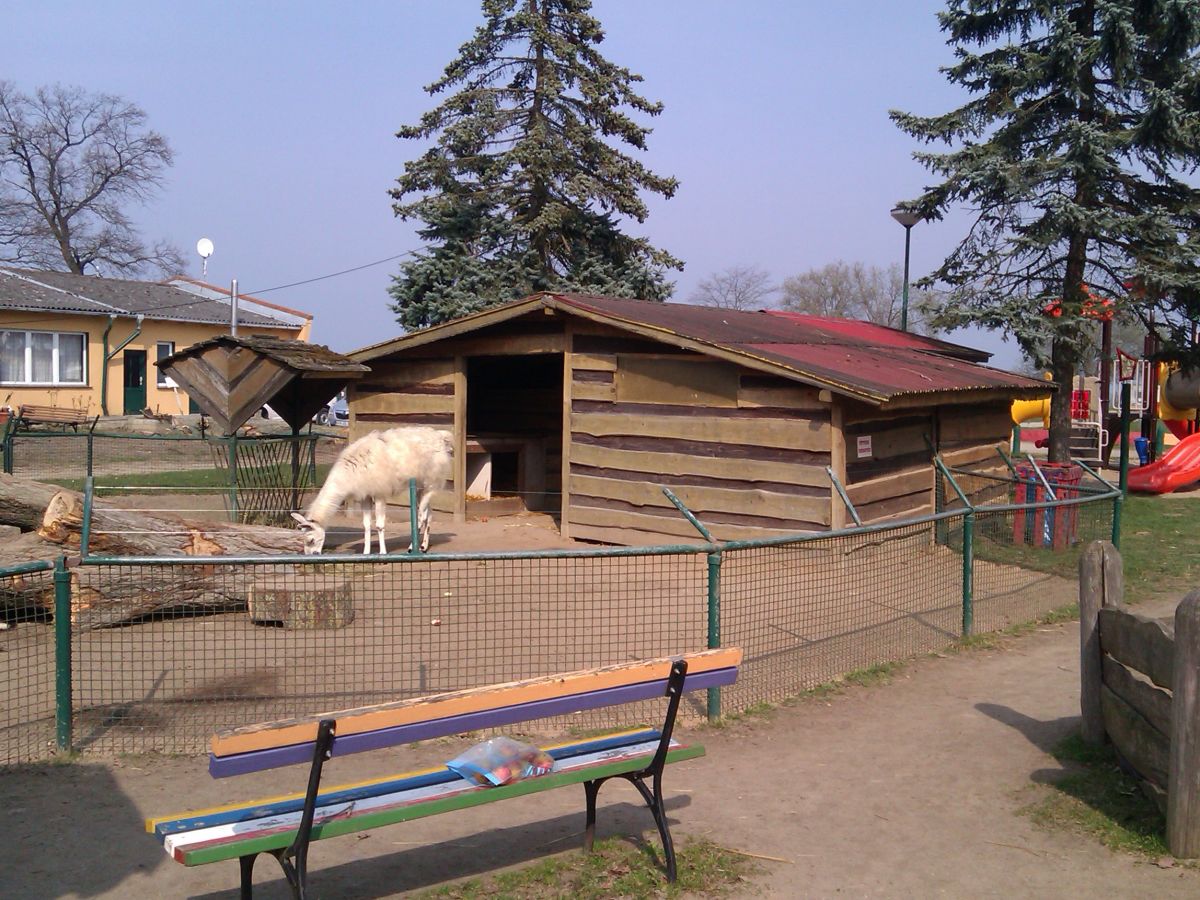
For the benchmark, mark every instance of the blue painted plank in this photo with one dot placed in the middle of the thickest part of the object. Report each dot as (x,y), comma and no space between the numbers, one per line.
(255,811)
(260,760)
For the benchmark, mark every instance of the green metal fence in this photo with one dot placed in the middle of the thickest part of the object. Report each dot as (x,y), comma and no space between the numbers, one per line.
(208,643)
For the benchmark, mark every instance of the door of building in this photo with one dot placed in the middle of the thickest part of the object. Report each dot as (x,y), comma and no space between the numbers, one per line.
(135,382)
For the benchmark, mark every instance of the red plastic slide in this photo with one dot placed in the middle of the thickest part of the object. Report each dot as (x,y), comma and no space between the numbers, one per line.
(1179,467)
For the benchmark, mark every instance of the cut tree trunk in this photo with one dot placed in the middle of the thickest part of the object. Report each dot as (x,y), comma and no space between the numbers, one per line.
(127,532)
(103,596)
(22,503)
(302,602)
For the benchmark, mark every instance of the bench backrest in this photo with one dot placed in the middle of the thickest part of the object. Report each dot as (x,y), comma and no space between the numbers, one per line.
(254,748)
(52,414)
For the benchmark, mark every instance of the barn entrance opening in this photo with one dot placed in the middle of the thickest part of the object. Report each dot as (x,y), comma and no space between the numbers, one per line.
(514,432)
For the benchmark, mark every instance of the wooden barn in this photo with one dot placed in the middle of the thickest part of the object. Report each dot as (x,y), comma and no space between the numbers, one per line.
(586,406)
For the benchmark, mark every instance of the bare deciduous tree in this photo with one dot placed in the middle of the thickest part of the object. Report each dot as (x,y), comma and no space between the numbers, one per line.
(71,165)
(738,287)
(855,291)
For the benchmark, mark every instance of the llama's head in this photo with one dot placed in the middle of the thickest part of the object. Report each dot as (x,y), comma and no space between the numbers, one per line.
(314,534)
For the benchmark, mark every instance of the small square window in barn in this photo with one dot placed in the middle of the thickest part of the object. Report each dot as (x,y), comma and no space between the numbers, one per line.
(656,379)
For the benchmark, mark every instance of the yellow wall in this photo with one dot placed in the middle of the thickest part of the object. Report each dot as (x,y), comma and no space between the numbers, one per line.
(87,397)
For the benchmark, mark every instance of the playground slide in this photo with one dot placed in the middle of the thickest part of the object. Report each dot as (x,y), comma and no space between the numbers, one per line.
(1179,467)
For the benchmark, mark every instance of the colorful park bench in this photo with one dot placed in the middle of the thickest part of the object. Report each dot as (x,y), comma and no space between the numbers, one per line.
(284,826)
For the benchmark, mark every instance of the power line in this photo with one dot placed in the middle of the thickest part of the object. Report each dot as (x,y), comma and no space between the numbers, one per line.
(377,262)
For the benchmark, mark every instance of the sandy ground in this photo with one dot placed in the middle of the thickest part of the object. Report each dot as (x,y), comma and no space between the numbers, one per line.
(906,790)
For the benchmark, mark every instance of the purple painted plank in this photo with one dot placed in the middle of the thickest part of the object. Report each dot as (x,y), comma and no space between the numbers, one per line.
(259,760)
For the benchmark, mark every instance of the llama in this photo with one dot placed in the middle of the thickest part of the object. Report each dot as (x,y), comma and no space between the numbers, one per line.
(371,470)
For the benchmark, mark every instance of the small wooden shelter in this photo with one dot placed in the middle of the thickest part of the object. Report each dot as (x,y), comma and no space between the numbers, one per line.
(586,407)
(231,378)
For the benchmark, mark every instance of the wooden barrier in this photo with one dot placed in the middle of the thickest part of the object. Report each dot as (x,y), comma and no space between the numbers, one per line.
(1140,689)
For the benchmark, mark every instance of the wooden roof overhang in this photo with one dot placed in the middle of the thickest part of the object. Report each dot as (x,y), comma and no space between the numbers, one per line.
(746,355)
(232,377)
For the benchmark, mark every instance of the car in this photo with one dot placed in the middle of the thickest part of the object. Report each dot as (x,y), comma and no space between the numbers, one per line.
(337,412)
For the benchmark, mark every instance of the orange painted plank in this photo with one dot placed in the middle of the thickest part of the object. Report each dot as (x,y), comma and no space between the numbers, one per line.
(438,706)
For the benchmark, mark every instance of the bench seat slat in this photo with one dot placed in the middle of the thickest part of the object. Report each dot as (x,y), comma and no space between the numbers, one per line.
(345,793)
(298,732)
(230,842)
(344,744)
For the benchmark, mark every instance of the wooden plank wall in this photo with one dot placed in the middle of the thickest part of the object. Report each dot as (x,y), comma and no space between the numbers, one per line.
(749,467)
(967,439)
(412,392)
(895,479)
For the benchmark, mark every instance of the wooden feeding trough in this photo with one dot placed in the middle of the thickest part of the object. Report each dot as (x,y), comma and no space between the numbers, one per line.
(231,378)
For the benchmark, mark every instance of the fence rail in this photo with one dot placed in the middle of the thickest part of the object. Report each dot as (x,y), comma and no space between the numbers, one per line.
(240,640)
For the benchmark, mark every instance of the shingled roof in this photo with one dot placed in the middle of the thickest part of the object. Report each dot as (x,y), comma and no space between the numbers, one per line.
(867,362)
(64,292)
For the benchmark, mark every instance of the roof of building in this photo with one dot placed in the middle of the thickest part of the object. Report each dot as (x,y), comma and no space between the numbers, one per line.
(313,360)
(245,301)
(64,292)
(868,362)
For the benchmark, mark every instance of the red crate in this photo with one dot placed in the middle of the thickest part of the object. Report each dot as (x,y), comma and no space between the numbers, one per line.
(1055,526)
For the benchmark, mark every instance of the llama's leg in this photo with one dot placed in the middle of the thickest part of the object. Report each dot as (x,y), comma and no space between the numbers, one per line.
(366,511)
(380,518)
(423,518)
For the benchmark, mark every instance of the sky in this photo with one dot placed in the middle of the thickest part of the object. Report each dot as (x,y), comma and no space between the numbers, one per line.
(282,118)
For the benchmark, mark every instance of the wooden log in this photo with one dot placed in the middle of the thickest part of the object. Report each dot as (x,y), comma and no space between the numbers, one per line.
(22,502)
(1145,748)
(1100,585)
(1142,643)
(110,596)
(302,602)
(122,532)
(1183,782)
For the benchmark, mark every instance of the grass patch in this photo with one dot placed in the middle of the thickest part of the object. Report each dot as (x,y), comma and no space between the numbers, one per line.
(1160,544)
(615,868)
(1098,799)
(994,640)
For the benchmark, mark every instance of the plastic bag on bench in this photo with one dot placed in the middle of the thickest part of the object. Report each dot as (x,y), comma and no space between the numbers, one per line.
(501,760)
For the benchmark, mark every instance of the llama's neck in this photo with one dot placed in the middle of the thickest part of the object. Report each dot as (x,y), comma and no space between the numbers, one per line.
(327,502)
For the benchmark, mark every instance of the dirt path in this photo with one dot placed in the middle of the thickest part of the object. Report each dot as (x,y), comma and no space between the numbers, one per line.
(899,791)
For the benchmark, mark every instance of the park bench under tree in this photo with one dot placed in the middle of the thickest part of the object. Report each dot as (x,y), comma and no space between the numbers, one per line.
(284,827)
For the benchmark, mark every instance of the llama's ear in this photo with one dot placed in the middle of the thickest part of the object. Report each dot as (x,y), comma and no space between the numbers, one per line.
(304,523)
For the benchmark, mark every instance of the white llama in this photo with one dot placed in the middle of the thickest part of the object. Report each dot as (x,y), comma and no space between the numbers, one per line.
(371,470)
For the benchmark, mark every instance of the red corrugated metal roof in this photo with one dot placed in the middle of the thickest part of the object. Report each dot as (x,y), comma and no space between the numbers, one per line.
(847,355)
(857,359)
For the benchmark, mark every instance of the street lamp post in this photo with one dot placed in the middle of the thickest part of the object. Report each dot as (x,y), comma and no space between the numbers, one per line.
(908,219)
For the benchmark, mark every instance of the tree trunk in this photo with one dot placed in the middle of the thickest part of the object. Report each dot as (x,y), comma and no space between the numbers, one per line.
(126,532)
(22,503)
(1062,367)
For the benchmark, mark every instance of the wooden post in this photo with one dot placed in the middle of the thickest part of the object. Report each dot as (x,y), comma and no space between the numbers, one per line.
(460,439)
(564,499)
(1183,778)
(837,462)
(1101,583)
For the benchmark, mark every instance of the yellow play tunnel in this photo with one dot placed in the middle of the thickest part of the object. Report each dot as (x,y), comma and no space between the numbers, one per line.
(1024,410)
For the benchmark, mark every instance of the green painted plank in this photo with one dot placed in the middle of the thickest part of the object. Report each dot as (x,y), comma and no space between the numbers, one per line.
(368,821)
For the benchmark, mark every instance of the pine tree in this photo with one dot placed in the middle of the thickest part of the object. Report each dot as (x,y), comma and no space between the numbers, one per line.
(521,190)
(1071,156)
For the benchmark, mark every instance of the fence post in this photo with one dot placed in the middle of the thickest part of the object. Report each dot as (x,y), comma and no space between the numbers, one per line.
(62,655)
(1183,773)
(1100,585)
(968,550)
(1118,503)
(90,454)
(8,451)
(233,478)
(714,626)
(414,545)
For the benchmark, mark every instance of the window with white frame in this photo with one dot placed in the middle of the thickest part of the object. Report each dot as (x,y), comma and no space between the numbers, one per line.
(43,357)
(162,350)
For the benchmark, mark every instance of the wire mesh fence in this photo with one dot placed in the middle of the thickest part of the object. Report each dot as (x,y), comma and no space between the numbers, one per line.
(27,655)
(165,651)
(251,480)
